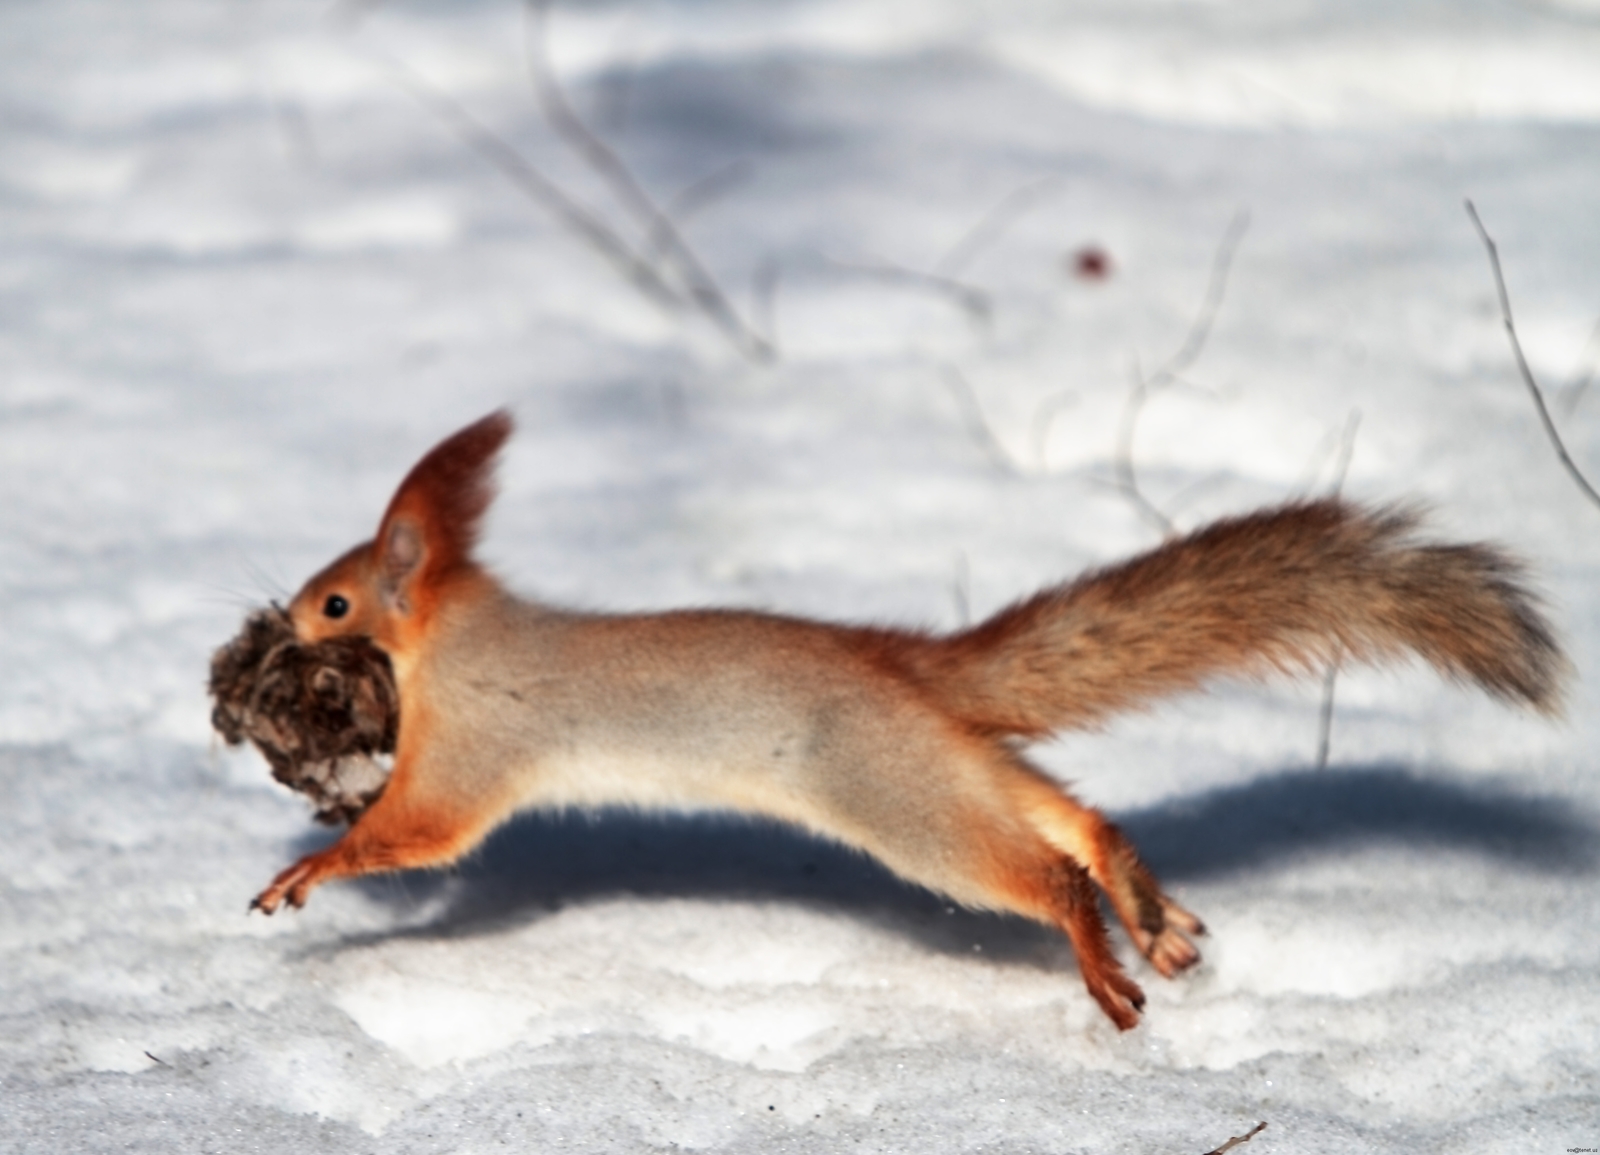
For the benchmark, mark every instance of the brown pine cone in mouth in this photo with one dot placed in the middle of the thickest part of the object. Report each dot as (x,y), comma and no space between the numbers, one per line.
(323,714)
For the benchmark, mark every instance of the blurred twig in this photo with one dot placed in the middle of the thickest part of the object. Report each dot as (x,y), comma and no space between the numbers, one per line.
(764,299)
(1194,342)
(991,226)
(1534,391)
(1330,678)
(944,278)
(1127,475)
(1337,446)
(1239,1140)
(538,187)
(1171,371)
(692,199)
(977,424)
(962,590)
(970,299)
(700,287)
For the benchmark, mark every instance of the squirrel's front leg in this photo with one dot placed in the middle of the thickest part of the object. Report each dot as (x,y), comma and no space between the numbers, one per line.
(399,832)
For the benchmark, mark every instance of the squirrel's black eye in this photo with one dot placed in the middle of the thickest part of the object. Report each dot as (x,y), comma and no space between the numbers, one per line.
(336,606)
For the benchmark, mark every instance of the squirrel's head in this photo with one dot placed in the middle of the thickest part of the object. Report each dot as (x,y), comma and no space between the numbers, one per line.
(388,588)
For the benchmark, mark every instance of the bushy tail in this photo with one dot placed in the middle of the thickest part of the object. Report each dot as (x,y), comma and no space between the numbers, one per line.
(1285,589)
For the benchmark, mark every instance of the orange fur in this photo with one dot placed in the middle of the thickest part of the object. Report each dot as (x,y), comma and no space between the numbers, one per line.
(897,742)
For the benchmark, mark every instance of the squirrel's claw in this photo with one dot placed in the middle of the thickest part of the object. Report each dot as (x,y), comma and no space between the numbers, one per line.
(291,885)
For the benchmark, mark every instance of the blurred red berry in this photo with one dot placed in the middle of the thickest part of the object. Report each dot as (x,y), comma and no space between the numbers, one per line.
(1091,263)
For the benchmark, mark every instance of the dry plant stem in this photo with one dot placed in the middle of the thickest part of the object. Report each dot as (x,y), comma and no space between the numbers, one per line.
(1534,391)
(1347,450)
(944,279)
(991,226)
(694,198)
(1216,288)
(764,299)
(977,424)
(1127,476)
(961,590)
(1194,344)
(970,299)
(539,188)
(1239,1140)
(701,287)
(1330,679)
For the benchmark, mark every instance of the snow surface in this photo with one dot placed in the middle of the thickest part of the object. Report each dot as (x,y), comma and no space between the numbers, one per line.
(247,279)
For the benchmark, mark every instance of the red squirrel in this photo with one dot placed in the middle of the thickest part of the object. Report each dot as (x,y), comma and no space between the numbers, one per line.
(902,743)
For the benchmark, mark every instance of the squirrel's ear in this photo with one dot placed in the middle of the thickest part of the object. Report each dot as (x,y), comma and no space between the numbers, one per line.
(432,522)
(401,553)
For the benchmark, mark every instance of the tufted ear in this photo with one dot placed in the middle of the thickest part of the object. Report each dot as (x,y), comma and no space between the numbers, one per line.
(431,525)
(400,556)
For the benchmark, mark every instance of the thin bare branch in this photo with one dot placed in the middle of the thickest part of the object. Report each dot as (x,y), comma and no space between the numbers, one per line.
(1239,1140)
(992,225)
(764,299)
(1216,288)
(970,299)
(1330,677)
(1194,344)
(537,187)
(1534,391)
(977,424)
(961,590)
(693,199)
(1347,450)
(558,112)
(944,279)
(1127,476)
(702,289)
(1330,680)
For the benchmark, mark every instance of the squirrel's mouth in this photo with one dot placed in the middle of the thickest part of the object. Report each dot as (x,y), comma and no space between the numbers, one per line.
(324,714)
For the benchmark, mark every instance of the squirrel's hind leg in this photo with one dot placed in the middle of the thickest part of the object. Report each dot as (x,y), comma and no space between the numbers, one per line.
(1075,908)
(1039,882)
(1158,926)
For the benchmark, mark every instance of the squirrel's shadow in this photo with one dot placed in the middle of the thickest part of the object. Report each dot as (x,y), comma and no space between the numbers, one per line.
(541,862)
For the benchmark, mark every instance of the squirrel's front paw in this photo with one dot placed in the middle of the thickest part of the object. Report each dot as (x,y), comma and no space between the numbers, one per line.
(292,885)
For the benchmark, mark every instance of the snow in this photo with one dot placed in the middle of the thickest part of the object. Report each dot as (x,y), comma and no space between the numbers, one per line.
(247,279)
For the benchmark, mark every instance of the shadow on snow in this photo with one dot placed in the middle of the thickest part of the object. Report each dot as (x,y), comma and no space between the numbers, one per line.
(541,862)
